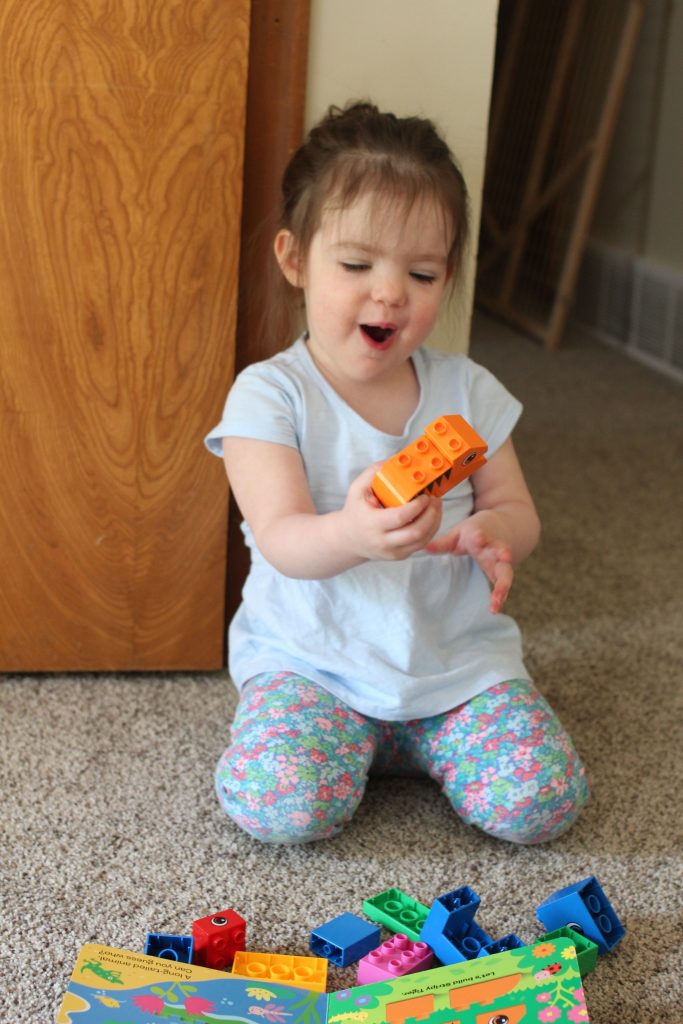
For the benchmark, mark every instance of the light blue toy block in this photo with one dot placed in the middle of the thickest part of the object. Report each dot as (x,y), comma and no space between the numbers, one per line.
(507,942)
(345,939)
(170,947)
(585,908)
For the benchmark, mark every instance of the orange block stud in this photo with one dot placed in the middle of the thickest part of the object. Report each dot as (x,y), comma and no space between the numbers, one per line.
(448,452)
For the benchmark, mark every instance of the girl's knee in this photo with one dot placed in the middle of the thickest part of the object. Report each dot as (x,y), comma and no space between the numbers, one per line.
(298,816)
(535,824)
(522,779)
(296,768)
(535,814)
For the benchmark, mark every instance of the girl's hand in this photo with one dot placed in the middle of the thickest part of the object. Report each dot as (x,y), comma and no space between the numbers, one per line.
(478,537)
(389,534)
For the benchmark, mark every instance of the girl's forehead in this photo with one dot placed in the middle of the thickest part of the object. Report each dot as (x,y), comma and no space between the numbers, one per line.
(371,216)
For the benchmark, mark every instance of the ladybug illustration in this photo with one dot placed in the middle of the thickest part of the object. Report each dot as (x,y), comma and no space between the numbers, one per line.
(554,968)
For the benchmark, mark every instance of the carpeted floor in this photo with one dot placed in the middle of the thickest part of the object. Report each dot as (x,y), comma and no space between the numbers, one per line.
(109,827)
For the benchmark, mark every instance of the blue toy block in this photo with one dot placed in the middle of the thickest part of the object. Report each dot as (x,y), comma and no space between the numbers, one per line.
(345,939)
(451,913)
(450,929)
(170,947)
(454,949)
(585,908)
(508,942)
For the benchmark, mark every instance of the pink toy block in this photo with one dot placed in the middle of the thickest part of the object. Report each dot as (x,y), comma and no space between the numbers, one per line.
(394,958)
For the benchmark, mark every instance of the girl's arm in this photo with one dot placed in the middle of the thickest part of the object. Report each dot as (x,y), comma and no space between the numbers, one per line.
(504,527)
(270,487)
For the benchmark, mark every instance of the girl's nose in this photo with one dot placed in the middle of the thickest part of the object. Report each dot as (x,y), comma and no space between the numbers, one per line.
(389,289)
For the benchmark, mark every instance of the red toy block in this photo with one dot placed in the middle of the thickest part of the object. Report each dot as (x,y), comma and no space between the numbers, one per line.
(217,938)
(448,452)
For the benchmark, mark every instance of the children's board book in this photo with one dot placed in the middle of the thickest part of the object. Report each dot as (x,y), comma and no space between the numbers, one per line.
(531,985)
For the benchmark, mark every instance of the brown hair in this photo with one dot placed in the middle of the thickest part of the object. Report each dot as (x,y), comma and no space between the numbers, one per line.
(355,150)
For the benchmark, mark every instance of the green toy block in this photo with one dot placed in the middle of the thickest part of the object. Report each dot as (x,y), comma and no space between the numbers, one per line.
(397,912)
(586,951)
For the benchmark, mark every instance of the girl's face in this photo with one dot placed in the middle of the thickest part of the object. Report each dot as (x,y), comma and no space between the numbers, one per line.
(373,281)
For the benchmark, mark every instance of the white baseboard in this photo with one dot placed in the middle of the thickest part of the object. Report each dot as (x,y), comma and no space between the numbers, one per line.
(634,305)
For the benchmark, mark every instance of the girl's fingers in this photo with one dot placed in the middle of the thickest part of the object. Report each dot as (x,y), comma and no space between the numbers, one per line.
(503,575)
(444,544)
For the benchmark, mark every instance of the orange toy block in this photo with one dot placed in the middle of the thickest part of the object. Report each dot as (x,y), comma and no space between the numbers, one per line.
(308,972)
(448,452)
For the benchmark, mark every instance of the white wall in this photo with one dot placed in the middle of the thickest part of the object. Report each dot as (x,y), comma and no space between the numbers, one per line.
(433,59)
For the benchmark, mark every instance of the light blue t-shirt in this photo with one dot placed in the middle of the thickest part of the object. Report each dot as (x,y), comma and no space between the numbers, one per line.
(398,639)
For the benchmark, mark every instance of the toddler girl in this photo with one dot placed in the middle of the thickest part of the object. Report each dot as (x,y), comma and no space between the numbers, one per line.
(370,638)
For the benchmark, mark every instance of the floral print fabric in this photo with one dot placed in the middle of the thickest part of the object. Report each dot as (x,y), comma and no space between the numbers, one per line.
(299,760)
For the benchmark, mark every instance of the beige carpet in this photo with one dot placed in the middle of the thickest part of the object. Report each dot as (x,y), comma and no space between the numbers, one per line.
(109,827)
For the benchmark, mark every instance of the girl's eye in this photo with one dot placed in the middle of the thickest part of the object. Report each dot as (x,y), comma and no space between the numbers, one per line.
(423,278)
(355,267)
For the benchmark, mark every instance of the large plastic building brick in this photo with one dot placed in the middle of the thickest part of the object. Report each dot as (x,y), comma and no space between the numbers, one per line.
(397,912)
(453,911)
(450,928)
(585,908)
(586,951)
(309,972)
(217,938)
(170,947)
(394,958)
(454,949)
(344,939)
(447,453)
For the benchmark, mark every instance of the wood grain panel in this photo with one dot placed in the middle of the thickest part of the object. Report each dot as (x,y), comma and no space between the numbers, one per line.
(121,149)
(276,96)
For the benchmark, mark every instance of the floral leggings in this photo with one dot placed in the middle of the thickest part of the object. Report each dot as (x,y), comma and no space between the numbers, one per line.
(299,760)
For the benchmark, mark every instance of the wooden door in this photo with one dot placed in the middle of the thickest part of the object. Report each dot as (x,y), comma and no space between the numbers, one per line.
(121,150)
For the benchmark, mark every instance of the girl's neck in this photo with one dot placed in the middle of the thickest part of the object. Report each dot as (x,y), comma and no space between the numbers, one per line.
(387,403)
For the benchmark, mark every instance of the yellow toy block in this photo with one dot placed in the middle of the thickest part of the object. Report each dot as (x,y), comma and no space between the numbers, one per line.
(309,972)
(448,452)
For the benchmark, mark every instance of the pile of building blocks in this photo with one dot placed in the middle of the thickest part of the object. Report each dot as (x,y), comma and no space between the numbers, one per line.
(445,933)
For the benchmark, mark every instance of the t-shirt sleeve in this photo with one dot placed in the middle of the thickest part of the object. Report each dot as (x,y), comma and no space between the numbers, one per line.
(494,412)
(259,406)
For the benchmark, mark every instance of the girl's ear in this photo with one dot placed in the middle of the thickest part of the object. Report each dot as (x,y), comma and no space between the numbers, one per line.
(287,255)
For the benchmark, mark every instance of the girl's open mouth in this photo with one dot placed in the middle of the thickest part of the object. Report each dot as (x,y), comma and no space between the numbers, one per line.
(377,332)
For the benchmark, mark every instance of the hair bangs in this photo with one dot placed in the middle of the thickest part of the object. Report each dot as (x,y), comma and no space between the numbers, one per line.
(397,184)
